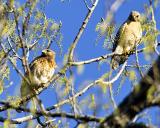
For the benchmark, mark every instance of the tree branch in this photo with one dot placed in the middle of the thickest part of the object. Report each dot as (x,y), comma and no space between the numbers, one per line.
(84,24)
(97,59)
(141,98)
(37,114)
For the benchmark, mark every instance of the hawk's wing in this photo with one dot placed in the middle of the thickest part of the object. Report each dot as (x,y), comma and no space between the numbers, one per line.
(35,62)
(117,60)
(119,35)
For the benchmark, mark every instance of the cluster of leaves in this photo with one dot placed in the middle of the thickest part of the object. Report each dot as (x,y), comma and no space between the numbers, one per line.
(4,72)
(107,31)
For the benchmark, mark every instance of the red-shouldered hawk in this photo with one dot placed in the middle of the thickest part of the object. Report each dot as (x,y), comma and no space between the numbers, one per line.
(127,36)
(42,69)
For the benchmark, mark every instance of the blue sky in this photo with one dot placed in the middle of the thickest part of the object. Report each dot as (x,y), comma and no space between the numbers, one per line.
(72,13)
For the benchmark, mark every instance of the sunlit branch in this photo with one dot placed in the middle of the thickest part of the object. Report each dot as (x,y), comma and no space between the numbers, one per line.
(141,66)
(46,123)
(114,78)
(34,43)
(42,108)
(92,60)
(140,116)
(16,54)
(86,4)
(15,67)
(112,97)
(9,120)
(25,57)
(97,59)
(73,101)
(83,26)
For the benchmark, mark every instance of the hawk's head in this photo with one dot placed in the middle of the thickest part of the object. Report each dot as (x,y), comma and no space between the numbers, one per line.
(134,16)
(48,52)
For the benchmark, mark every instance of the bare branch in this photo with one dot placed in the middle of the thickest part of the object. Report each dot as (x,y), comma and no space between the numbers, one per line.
(25,58)
(104,57)
(142,66)
(16,54)
(47,114)
(99,81)
(18,71)
(86,4)
(137,63)
(115,78)
(83,26)
(112,97)
(92,60)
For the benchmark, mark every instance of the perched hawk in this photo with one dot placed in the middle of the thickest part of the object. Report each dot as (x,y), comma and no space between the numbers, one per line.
(41,70)
(126,39)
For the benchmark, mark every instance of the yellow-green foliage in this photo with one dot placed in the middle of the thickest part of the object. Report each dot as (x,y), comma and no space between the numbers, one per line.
(4,72)
(107,30)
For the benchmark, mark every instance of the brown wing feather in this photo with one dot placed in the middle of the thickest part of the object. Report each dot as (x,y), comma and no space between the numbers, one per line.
(117,60)
(119,35)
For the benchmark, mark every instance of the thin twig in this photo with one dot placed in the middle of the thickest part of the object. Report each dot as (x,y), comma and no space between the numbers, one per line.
(114,78)
(141,66)
(25,58)
(137,63)
(86,4)
(54,36)
(16,54)
(73,101)
(15,67)
(112,97)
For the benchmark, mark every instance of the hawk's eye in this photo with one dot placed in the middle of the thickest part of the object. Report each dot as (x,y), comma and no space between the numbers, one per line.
(137,16)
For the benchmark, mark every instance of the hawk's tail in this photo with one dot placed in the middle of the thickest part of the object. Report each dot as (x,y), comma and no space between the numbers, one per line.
(24,90)
(114,63)
(117,60)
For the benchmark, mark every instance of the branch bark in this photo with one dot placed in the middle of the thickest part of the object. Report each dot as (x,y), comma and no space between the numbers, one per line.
(83,26)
